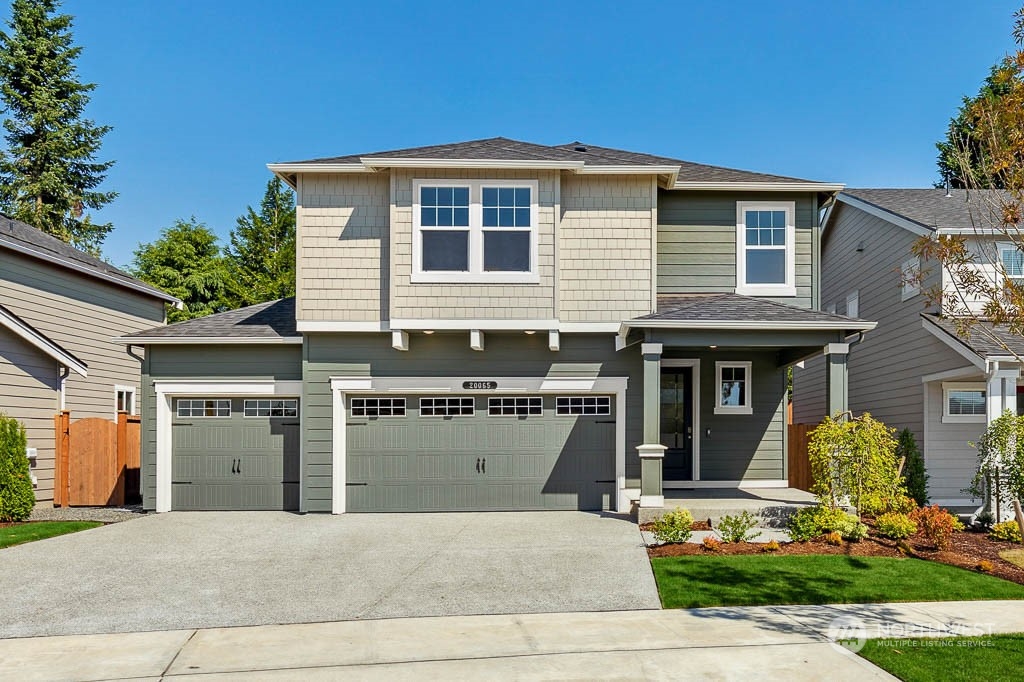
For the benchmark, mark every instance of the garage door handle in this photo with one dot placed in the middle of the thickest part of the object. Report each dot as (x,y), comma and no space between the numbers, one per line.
(483,466)
(604,481)
(357,484)
(233,463)
(478,465)
(605,421)
(239,466)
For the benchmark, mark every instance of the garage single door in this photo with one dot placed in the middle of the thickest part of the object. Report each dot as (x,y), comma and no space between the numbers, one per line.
(465,453)
(235,454)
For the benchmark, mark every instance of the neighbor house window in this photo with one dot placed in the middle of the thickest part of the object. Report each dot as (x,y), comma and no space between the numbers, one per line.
(1013,262)
(963,402)
(204,407)
(733,382)
(910,275)
(475,231)
(765,248)
(124,399)
(853,304)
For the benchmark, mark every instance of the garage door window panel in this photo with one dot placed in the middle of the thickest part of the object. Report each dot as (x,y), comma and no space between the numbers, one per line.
(515,407)
(378,407)
(447,407)
(203,407)
(271,408)
(568,406)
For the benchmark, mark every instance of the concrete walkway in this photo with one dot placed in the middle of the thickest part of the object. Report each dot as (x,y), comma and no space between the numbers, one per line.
(784,642)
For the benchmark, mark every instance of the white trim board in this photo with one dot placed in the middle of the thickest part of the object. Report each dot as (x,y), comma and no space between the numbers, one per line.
(761,186)
(750,483)
(39,341)
(193,340)
(852,325)
(166,391)
(343,386)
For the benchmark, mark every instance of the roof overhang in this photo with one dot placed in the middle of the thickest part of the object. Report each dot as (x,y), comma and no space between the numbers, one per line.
(751,325)
(869,208)
(760,186)
(40,341)
(203,340)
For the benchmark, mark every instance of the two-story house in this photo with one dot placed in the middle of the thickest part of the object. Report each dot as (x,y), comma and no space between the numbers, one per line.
(915,370)
(59,309)
(502,325)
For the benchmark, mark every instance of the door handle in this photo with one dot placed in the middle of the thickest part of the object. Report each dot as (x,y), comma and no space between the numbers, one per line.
(239,466)
(478,465)
(234,462)
(484,466)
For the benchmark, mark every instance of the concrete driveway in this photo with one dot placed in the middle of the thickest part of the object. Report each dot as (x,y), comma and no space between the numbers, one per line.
(198,570)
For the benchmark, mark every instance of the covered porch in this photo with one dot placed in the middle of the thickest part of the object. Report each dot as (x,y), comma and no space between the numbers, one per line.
(715,393)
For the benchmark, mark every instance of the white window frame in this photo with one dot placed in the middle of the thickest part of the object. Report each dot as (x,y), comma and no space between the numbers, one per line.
(853,304)
(476,274)
(134,391)
(178,415)
(528,404)
(788,288)
(601,404)
(396,403)
(949,386)
(285,406)
(448,399)
(1008,246)
(747,407)
(909,290)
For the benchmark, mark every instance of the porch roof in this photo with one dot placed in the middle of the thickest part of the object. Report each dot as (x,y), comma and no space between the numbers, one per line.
(734,311)
(982,338)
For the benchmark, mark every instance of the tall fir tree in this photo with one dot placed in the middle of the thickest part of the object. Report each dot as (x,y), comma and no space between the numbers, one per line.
(48,173)
(261,253)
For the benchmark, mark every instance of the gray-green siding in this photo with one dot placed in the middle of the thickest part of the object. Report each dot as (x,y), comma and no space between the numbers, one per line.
(223,363)
(697,242)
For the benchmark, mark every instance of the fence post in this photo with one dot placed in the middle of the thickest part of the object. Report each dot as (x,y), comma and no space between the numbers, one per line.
(62,443)
(121,465)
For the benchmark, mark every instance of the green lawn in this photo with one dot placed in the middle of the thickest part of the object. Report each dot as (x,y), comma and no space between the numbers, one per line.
(750,580)
(27,532)
(990,658)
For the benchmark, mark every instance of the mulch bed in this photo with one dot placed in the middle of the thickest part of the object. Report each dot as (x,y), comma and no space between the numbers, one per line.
(967,550)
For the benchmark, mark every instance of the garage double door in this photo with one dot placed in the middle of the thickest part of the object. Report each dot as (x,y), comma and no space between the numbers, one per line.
(235,454)
(473,452)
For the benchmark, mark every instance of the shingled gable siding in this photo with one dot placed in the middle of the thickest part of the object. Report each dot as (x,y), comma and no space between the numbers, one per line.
(205,362)
(471,301)
(697,242)
(448,354)
(605,247)
(342,247)
(886,369)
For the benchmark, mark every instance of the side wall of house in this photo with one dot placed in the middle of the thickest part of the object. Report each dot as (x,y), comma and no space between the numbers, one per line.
(29,385)
(697,242)
(205,363)
(949,458)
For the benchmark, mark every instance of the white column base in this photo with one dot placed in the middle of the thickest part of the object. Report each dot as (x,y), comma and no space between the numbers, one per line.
(651,451)
(649,501)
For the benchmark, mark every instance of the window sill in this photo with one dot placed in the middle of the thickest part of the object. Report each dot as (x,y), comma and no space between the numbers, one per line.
(733,410)
(963,419)
(475,278)
(765,290)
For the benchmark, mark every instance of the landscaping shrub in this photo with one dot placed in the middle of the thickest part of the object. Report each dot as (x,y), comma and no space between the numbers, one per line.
(853,458)
(985,566)
(834,538)
(737,528)
(16,495)
(854,531)
(1000,471)
(985,519)
(674,526)
(876,505)
(812,522)
(771,546)
(1007,531)
(895,525)
(937,524)
(915,478)
(710,544)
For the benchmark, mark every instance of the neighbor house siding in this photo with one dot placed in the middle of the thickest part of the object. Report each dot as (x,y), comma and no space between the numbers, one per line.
(605,260)
(697,242)
(208,363)
(449,355)
(29,391)
(949,458)
(864,253)
(342,247)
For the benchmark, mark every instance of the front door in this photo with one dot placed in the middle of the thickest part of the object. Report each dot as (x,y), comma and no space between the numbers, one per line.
(677,422)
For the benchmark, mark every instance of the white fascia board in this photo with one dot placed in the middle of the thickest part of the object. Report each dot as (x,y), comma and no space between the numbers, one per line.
(978,231)
(538,164)
(629,170)
(961,373)
(589,327)
(955,343)
(888,216)
(71,265)
(343,326)
(756,325)
(761,186)
(203,340)
(277,168)
(236,387)
(43,344)
(485,325)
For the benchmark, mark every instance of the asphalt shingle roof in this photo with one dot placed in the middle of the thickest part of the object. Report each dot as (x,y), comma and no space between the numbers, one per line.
(504,149)
(273,319)
(728,307)
(20,234)
(931,208)
(984,338)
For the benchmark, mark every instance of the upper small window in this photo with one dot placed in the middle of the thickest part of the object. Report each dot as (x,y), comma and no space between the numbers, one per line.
(733,382)
(1013,263)
(910,275)
(124,399)
(853,304)
(963,402)
(765,249)
(475,231)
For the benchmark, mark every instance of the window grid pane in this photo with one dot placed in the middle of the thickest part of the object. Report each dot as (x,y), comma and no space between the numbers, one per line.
(516,407)
(734,387)
(965,402)
(444,207)
(271,408)
(447,407)
(378,407)
(203,407)
(1013,262)
(506,206)
(577,405)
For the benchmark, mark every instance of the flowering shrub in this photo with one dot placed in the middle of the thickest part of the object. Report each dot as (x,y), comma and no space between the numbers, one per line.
(710,544)
(1007,531)
(674,526)
(811,522)
(985,566)
(834,538)
(895,525)
(771,546)
(937,524)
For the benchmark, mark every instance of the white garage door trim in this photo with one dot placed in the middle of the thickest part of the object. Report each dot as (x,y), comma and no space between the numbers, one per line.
(342,387)
(166,391)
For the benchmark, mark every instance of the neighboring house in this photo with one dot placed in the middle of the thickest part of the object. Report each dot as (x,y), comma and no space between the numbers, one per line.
(914,371)
(501,325)
(60,310)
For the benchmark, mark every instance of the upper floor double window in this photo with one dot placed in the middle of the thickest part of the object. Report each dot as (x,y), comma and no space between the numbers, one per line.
(475,231)
(765,248)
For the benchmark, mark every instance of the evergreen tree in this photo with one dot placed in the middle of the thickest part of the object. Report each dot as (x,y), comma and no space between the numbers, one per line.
(914,475)
(261,255)
(48,173)
(186,263)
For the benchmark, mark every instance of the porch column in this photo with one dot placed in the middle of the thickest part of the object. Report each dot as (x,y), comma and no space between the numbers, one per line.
(836,378)
(1001,393)
(652,452)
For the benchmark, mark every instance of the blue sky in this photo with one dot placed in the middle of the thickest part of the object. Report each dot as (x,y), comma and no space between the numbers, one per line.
(203,94)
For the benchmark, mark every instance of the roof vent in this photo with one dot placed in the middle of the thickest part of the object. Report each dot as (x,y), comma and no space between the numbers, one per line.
(948,193)
(580,148)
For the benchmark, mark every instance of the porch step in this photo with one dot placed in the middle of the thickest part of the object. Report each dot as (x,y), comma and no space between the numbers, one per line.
(772,506)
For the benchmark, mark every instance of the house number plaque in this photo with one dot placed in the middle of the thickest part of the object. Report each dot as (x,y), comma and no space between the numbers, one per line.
(479,385)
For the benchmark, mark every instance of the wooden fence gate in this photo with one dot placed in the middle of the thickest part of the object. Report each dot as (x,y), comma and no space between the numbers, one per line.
(97,461)
(799,463)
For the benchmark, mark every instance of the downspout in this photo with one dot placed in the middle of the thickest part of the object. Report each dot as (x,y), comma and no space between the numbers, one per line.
(62,378)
